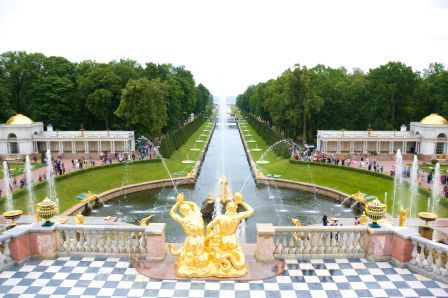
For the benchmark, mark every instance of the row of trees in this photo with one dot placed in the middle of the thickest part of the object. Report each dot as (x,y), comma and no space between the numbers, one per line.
(175,139)
(302,100)
(99,95)
(269,135)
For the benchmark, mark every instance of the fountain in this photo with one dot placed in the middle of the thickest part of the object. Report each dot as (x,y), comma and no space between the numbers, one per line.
(188,160)
(414,185)
(167,170)
(10,213)
(29,186)
(398,181)
(50,181)
(256,149)
(194,148)
(436,190)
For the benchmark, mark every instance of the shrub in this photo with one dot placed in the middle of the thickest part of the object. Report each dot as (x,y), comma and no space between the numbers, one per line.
(434,161)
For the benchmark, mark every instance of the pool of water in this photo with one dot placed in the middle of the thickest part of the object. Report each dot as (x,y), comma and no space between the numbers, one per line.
(226,157)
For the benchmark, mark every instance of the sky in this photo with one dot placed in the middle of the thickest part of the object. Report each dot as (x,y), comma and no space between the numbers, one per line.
(229,45)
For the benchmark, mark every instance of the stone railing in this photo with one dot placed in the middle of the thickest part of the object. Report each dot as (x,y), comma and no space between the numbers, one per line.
(429,258)
(319,242)
(101,240)
(5,253)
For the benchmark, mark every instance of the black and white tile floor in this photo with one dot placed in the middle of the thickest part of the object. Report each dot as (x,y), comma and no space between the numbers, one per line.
(116,277)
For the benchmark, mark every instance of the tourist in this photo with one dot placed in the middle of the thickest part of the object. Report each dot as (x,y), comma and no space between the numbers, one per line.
(325,219)
(63,168)
(14,182)
(40,178)
(357,221)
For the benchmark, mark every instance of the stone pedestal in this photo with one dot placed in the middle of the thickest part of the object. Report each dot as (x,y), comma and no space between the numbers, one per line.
(43,242)
(426,232)
(155,241)
(265,243)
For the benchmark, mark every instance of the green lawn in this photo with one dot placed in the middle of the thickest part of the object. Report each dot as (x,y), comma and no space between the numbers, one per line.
(428,168)
(108,177)
(16,169)
(337,178)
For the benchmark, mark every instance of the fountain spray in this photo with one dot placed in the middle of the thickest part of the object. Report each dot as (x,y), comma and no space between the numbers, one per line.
(414,184)
(9,205)
(436,190)
(29,185)
(398,181)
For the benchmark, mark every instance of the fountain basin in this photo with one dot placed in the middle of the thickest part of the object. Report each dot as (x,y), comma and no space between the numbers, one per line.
(13,215)
(188,161)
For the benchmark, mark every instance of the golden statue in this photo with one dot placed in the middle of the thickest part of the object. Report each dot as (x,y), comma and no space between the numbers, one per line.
(79,219)
(145,221)
(403,215)
(364,218)
(297,223)
(218,254)
(224,196)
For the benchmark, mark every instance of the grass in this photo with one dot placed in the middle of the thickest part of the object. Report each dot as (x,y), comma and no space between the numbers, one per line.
(340,179)
(16,169)
(428,168)
(107,177)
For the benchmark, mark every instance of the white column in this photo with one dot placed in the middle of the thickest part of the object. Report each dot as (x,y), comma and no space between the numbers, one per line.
(99,146)
(391,147)
(61,148)
(124,146)
(113,146)
(352,147)
(73,147)
(364,147)
(404,147)
(47,143)
(86,146)
(338,146)
(378,147)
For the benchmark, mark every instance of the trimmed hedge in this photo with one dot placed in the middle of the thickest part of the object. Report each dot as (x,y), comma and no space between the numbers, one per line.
(43,183)
(175,139)
(421,190)
(269,135)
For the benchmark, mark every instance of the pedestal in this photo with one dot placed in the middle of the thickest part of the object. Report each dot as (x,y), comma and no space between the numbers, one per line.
(426,232)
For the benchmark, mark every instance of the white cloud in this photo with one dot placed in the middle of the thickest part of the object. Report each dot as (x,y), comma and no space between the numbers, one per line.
(229,45)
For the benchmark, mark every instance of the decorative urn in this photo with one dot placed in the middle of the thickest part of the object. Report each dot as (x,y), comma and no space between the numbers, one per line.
(12,215)
(426,231)
(375,210)
(46,210)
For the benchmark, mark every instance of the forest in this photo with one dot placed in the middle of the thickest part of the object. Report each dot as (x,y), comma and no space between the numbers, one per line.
(151,99)
(302,100)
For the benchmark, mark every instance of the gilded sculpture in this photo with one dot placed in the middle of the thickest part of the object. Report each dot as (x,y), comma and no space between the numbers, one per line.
(218,253)
(403,215)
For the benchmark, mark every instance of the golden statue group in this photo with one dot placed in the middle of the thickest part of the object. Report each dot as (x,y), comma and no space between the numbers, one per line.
(218,253)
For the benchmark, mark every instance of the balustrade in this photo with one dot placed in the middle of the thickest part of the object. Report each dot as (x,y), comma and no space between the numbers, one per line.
(102,240)
(429,258)
(5,254)
(319,242)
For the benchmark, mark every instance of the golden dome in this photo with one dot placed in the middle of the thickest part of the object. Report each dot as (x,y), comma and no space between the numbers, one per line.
(434,119)
(19,119)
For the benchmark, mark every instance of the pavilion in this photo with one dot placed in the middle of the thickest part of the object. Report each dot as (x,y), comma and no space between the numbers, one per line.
(20,136)
(427,138)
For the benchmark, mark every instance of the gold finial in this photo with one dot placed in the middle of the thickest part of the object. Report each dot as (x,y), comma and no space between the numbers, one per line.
(79,219)
(145,221)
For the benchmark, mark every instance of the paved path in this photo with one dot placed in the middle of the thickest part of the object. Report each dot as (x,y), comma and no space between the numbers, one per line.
(116,277)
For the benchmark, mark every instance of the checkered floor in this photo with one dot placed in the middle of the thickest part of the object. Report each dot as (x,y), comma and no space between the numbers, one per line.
(115,277)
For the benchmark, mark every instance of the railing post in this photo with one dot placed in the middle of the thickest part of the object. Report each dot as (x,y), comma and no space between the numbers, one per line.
(265,243)
(155,241)
(19,245)
(403,247)
(44,242)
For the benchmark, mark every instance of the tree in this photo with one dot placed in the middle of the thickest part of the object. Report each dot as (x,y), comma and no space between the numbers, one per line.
(101,86)
(142,106)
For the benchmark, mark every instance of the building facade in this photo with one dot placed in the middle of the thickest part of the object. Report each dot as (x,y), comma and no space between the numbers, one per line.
(20,135)
(427,137)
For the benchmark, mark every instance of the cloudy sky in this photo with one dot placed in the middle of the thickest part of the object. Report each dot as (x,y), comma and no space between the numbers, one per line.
(229,45)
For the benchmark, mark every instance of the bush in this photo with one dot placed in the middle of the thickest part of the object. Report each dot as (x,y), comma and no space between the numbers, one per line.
(175,139)
(269,135)
(434,161)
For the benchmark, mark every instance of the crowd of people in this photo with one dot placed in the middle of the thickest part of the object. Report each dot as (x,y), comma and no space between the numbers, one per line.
(363,161)
(147,151)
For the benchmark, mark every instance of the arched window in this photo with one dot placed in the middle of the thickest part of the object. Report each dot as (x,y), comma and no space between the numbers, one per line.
(440,145)
(13,147)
